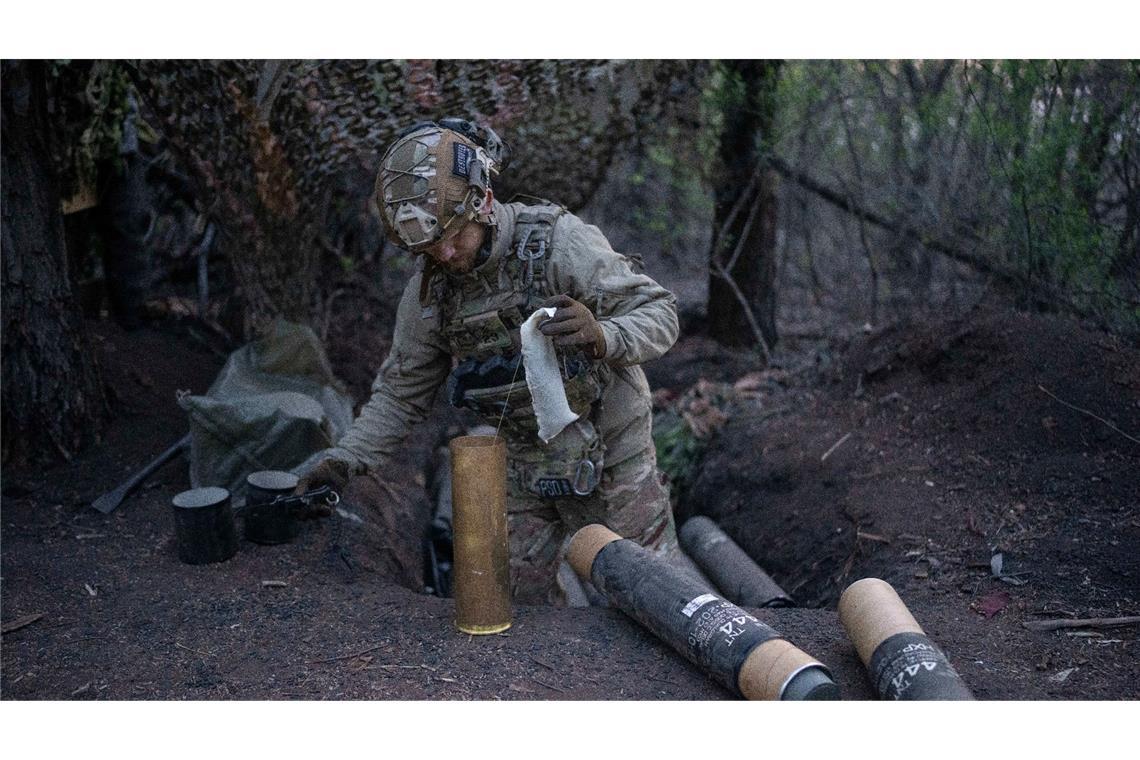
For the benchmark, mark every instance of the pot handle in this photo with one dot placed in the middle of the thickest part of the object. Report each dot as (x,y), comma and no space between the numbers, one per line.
(332,498)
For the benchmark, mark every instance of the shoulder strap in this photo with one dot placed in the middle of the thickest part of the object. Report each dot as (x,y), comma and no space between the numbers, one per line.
(534,230)
(427,274)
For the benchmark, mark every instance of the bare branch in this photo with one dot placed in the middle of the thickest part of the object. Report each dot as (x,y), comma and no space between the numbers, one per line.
(719,271)
(1098,418)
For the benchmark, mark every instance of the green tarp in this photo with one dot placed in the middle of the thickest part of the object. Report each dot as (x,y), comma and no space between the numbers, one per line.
(274,404)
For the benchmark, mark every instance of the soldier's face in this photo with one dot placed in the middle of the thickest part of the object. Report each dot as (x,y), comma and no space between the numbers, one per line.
(457,252)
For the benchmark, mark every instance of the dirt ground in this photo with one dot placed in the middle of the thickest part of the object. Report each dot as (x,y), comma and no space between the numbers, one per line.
(943,448)
(920,454)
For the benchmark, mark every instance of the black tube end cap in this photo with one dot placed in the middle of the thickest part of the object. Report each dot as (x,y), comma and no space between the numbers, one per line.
(811,683)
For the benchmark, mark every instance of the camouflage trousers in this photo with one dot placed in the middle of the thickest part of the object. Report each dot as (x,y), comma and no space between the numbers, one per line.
(631,499)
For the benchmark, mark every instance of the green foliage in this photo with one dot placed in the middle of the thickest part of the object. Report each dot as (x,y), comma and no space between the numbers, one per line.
(1050,133)
(1032,165)
(682,164)
(679,451)
(90,103)
(673,188)
(805,113)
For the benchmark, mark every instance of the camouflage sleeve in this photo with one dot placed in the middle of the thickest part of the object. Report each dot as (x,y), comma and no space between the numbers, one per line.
(403,391)
(637,315)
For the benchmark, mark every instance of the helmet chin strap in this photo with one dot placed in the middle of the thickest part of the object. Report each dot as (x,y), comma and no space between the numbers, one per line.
(492,224)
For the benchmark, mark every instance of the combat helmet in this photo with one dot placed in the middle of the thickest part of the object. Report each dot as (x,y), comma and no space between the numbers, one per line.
(434,178)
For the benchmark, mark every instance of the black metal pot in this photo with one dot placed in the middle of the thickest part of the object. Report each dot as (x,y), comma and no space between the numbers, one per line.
(267,521)
(204,526)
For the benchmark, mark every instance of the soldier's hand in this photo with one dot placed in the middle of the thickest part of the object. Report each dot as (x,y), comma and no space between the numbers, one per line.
(328,472)
(574,325)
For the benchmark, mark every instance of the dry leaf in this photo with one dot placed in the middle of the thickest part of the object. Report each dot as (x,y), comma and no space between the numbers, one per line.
(1063,675)
(993,603)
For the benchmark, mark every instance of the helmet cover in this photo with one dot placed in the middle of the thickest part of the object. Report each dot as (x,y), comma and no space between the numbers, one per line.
(429,178)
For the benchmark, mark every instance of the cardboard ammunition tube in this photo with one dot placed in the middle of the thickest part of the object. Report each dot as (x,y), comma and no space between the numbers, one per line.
(903,662)
(730,568)
(746,656)
(481,559)
(776,669)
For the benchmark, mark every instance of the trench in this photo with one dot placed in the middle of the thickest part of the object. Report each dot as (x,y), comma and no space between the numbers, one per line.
(789,521)
(733,570)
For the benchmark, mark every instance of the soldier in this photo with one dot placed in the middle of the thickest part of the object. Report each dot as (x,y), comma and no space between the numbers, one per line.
(487,266)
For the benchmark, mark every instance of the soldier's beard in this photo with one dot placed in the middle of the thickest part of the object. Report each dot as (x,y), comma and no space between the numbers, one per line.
(465,260)
(459,264)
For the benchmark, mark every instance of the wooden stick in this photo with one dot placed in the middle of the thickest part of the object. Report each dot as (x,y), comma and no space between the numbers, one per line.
(834,446)
(1053,625)
(543,664)
(195,651)
(550,686)
(18,623)
(345,656)
(753,212)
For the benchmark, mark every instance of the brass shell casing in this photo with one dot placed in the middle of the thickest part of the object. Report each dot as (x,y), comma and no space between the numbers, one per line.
(479,519)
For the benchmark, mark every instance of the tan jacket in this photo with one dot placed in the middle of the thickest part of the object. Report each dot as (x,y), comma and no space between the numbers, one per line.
(638,318)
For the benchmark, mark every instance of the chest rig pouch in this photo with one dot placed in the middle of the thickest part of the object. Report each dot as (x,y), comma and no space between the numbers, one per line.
(480,314)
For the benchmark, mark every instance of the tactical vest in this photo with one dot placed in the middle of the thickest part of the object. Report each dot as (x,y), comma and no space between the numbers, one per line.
(480,314)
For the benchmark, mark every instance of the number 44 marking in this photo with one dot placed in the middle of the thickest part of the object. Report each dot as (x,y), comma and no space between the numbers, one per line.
(733,628)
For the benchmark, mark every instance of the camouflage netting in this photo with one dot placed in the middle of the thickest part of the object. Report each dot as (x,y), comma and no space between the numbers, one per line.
(87,102)
(267,139)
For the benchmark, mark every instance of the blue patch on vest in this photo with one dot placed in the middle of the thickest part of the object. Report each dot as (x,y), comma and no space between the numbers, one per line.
(461,166)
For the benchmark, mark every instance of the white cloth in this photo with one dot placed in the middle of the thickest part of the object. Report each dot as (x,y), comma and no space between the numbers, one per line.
(543,378)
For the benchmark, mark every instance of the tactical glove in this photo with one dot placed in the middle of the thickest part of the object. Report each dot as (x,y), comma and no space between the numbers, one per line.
(574,325)
(328,472)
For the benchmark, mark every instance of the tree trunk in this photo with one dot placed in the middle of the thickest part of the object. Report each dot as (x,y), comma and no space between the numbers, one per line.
(53,401)
(742,272)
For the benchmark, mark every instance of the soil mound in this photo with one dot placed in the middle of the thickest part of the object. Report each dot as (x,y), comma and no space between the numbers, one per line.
(986,468)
